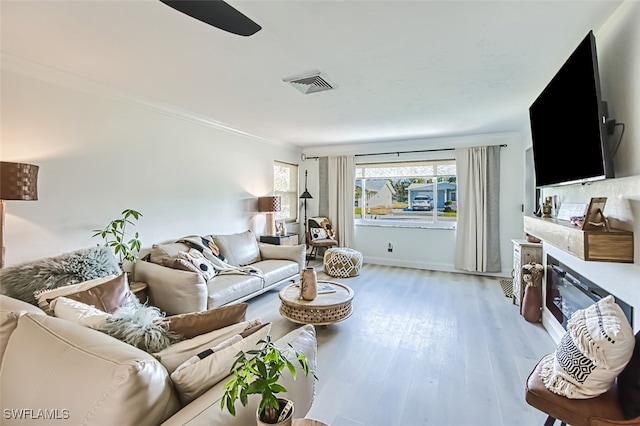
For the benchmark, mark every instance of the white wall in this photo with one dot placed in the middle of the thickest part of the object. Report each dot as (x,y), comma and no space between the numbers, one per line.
(433,248)
(618,46)
(100,153)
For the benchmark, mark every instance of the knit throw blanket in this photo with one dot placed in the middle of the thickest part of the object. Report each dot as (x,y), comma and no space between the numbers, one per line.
(211,252)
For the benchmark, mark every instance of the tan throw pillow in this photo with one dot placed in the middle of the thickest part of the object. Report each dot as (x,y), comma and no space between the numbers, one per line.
(108,296)
(78,312)
(198,374)
(44,297)
(193,324)
(176,354)
(179,264)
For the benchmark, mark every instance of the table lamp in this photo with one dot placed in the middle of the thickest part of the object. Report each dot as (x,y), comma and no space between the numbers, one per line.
(269,205)
(18,181)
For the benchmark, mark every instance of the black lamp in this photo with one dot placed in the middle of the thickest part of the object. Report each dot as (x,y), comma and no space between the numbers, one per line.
(305,196)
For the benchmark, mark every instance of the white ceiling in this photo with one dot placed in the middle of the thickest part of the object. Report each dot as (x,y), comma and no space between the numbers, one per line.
(404,69)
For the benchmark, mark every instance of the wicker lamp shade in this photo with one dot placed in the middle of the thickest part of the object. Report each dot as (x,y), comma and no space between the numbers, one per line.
(269,204)
(18,181)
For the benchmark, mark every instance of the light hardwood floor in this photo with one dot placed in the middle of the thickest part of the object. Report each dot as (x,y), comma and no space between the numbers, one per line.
(421,348)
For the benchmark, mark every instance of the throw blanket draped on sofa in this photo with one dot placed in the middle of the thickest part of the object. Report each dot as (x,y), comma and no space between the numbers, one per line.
(206,246)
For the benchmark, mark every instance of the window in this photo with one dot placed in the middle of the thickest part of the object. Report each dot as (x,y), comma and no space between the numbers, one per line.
(285,184)
(406,193)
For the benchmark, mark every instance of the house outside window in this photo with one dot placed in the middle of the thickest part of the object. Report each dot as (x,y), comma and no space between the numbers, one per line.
(415,194)
(285,184)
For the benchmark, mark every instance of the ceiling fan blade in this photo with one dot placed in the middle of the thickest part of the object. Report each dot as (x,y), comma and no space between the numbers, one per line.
(216,13)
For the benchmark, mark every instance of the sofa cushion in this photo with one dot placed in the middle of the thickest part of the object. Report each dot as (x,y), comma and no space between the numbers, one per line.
(227,288)
(276,270)
(10,311)
(238,249)
(199,373)
(180,264)
(8,323)
(193,324)
(596,347)
(178,353)
(55,364)
(160,252)
(9,304)
(295,253)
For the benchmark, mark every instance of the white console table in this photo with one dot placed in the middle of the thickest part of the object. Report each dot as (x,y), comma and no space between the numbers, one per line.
(523,252)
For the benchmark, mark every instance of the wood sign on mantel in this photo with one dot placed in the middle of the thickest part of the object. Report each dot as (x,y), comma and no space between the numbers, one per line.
(614,245)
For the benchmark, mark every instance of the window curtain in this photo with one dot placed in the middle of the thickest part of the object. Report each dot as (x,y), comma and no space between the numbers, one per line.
(478,229)
(341,178)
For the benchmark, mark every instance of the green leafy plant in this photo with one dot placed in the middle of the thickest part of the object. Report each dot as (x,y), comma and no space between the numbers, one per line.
(257,372)
(115,236)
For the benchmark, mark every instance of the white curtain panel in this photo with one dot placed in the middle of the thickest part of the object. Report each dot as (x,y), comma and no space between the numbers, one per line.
(342,175)
(478,229)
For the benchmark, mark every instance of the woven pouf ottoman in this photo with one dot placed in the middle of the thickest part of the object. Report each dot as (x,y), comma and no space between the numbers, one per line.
(342,262)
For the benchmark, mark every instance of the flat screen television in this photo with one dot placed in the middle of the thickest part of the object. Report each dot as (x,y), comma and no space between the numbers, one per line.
(568,123)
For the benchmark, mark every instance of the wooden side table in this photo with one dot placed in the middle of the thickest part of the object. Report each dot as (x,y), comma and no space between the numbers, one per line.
(139,289)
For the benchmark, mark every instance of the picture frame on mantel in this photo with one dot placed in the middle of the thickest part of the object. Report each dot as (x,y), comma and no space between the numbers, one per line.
(594,215)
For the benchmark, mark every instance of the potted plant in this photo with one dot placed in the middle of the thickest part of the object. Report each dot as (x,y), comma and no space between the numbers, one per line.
(257,372)
(115,236)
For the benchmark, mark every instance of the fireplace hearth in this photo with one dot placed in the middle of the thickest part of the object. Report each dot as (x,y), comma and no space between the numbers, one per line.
(567,291)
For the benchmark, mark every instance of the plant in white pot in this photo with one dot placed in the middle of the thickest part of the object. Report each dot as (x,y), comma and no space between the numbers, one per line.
(125,245)
(257,372)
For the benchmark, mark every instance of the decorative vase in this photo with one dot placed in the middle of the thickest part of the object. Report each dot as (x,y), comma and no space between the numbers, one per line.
(308,284)
(287,421)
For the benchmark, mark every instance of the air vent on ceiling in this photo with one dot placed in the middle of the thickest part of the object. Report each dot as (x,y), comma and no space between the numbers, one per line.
(311,83)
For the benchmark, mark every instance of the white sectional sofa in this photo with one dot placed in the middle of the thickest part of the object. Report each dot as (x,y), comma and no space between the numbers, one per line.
(55,371)
(178,291)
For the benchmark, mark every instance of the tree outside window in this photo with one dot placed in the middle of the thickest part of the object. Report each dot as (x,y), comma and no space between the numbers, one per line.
(285,184)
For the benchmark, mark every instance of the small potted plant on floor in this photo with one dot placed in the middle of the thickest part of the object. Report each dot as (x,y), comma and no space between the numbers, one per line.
(125,245)
(257,372)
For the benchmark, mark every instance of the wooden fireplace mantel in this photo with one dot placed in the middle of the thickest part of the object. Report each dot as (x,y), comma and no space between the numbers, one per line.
(614,245)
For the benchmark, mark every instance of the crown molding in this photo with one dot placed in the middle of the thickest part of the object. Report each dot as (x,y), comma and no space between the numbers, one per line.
(26,68)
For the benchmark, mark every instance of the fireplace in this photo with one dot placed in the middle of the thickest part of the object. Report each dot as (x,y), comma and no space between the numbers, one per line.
(567,291)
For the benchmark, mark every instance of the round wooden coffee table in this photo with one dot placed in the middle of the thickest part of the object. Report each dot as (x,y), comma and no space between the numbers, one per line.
(326,308)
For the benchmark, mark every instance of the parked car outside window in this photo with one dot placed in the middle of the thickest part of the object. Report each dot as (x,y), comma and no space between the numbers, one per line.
(421,202)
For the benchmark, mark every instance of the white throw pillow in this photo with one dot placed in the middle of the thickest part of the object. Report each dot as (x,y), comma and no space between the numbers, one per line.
(42,296)
(318,234)
(176,354)
(78,312)
(199,374)
(596,347)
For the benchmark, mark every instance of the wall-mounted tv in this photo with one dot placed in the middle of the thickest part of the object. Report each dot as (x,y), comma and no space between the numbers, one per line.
(568,123)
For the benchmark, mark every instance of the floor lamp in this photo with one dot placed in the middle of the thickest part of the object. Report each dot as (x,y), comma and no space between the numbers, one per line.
(18,181)
(305,196)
